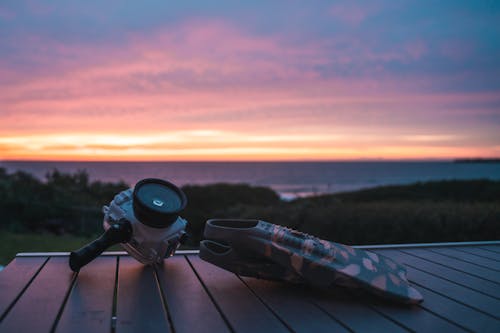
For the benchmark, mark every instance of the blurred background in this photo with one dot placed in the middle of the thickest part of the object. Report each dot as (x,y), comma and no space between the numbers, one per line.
(359,122)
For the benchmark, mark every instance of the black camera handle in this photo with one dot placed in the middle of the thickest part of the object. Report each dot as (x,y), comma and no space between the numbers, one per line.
(119,232)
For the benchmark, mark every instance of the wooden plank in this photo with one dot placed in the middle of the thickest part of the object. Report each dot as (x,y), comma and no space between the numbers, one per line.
(190,307)
(470,258)
(353,312)
(90,303)
(243,311)
(479,252)
(15,278)
(450,262)
(290,302)
(457,276)
(471,298)
(139,306)
(415,318)
(456,312)
(492,248)
(38,308)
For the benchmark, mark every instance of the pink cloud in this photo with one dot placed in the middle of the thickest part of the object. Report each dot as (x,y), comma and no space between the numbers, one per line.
(457,50)
(353,13)
(209,74)
(6,14)
(416,49)
(39,8)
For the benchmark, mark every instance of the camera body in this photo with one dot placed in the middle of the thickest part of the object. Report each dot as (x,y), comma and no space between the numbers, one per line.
(148,244)
(145,220)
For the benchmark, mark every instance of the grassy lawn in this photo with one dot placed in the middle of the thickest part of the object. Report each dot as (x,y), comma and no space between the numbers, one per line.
(440,211)
(12,243)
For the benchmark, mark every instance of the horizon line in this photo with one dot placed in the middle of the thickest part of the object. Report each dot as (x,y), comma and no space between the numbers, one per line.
(252,161)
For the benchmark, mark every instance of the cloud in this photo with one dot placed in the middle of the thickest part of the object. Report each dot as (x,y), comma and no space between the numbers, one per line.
(417,49)
(431,138)
(353,13)
(457,50)
(204,75)
(6,14)
(144,147)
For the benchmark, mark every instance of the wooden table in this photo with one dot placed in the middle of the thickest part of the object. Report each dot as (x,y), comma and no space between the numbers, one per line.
(39,293)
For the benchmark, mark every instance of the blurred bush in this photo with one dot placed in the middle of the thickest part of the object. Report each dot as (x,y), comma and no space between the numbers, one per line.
(221,200)
(64,203)
(421,212)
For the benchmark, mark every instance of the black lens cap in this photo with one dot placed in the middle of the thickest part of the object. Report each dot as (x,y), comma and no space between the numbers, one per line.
(157,203)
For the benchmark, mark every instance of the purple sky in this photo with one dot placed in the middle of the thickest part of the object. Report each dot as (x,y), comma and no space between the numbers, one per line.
(264,80)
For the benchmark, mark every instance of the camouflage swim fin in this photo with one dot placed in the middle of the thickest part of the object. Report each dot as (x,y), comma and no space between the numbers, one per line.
(245,264)
(261,249)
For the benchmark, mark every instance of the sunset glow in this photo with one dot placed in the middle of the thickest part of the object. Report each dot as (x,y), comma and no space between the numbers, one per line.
(191,82)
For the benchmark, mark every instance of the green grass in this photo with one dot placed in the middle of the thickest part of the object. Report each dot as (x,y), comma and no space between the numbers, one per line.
(34,212)
(12,243)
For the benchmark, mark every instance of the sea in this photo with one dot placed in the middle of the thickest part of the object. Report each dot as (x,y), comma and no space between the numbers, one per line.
(289,179)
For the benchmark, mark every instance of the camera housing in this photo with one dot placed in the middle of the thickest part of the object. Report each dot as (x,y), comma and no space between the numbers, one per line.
(145,220)
(148,244)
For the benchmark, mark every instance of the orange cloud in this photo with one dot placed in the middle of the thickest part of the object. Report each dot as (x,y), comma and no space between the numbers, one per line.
(207,90)
(217,145)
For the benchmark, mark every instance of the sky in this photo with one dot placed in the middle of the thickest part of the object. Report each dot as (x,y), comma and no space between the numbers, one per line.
(252,80)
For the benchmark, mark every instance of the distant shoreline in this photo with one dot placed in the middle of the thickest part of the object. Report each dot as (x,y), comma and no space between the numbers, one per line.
(415,160)
(477,160)
(290,179)
(374,161)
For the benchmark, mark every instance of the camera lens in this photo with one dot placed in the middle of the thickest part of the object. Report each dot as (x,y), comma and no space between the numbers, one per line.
(157,202)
